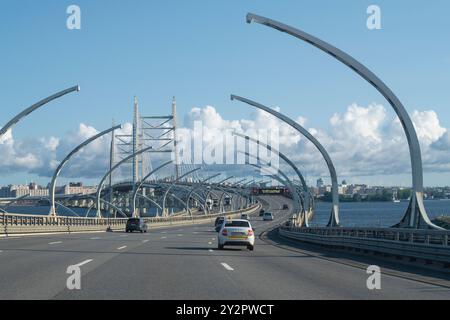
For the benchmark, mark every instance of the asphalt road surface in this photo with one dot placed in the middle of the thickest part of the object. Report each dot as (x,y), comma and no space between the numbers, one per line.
(184,263)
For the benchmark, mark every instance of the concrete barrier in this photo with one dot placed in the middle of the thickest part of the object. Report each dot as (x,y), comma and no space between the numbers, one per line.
(417,244)
(11,224)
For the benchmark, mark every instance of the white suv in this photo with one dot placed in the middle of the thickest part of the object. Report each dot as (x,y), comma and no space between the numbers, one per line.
(236,233)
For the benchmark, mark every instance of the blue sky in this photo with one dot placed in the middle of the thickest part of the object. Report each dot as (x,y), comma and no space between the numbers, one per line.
(202,51)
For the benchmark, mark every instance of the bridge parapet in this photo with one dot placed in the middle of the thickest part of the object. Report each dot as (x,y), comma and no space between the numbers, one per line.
(23,224)
(430,245)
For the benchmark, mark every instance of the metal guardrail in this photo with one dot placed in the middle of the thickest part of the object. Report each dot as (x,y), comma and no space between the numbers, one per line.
(24,223)
(421,244)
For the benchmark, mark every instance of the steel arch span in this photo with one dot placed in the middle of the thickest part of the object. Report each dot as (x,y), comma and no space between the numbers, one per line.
(143,181)
(171,186)
(334,217)
(291,164)
(35,106)
(67,158)
(102,181)
(416,215)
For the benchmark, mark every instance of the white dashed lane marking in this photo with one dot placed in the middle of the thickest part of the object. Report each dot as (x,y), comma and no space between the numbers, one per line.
(83,263)
(226,266)
(55,242)
(121,248)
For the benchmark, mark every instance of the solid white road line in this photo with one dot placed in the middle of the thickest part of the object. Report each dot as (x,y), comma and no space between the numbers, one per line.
(83,263)
(56,242)
(9,237)
(226,266)
(20,235)
(121,248)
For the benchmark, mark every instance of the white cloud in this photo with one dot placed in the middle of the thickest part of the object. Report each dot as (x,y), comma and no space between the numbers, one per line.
(362,141)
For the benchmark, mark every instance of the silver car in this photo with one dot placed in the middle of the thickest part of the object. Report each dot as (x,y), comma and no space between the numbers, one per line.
(268,216)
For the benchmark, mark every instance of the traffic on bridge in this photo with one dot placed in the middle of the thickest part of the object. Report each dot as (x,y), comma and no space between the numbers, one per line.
(206,211)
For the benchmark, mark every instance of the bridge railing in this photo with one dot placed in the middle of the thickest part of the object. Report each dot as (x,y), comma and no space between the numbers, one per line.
(434,237)
(25,223)
(431,245)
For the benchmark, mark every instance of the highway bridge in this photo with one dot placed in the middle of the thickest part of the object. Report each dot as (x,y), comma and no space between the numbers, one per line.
(178,258)
(181,262)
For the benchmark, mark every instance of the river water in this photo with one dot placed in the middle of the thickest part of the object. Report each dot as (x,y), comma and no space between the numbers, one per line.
(352,214)
(375,214)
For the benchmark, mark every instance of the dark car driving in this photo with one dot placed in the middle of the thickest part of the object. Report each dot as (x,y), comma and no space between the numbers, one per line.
(219,222)
(136,224)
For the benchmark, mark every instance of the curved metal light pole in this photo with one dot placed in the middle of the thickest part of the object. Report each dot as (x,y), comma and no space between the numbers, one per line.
(247,196)
(180,200)
(143,181)
(67,158)
(151,200)
(187,189)
(35,106)
(217,185)
(416,215)
(286,159)
(235,201)
(201,183)
(236,184)
(287,184)
(171,186)
(334,218)
(148,198)
(291,186)
(288,181)
(102,181)
(228,194)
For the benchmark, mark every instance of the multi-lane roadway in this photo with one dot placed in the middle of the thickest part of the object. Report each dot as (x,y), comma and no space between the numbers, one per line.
(184,263)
